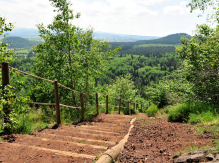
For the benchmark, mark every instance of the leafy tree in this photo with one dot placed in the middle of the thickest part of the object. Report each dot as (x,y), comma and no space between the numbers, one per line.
(5,54)
(69,54)
(202,61)
(122,87)
(204,5)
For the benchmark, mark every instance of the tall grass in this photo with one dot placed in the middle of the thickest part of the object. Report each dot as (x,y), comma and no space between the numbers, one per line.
(193,113)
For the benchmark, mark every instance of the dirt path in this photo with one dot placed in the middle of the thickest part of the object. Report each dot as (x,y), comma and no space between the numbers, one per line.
(151,140)
(155,140)
(80,143)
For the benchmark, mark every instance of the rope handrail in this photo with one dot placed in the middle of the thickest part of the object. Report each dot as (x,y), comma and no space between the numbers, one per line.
(65,86)
(70,106)
(68,88)
(5,68)
(114,97)
(31,74)
(39,103)
(101,94)
(89,94)
(91,106)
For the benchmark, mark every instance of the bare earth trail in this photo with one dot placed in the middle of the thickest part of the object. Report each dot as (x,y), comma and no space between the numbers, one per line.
(152,140)
(80,143)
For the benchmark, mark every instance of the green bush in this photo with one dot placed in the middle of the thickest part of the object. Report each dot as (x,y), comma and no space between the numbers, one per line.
(178,113)
(191,112)
(152,110)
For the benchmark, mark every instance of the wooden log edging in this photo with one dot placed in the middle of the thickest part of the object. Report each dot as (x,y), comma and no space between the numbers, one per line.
(110,155)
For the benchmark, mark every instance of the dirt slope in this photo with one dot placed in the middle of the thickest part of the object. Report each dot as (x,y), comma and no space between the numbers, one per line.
(155,140)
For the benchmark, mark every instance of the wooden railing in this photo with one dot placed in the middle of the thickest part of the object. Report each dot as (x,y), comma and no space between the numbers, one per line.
(6,81)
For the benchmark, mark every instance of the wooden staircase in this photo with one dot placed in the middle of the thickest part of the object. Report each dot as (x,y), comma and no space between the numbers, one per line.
(82,143)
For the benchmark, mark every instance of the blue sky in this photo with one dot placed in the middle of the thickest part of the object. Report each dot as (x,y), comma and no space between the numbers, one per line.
(133,17)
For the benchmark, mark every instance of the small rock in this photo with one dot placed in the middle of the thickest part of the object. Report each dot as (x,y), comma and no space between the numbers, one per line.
(217,157)
(196,157)
(53,156)
(210,157)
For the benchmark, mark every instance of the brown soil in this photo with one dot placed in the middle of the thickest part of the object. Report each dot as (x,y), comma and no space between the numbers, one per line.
(156,140)
(151,140)
(77,143)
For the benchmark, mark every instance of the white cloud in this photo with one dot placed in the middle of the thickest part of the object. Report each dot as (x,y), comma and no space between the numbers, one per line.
(138,17)
(177,9)
(26,13)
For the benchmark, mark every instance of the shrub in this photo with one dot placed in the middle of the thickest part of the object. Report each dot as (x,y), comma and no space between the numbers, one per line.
(191,112)
(152,110)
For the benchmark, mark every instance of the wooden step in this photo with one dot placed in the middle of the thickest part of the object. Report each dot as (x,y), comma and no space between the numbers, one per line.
(75,139)
(56,152)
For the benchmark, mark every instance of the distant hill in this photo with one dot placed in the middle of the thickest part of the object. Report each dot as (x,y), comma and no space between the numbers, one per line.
(170,39)
(34,34)
(19,42)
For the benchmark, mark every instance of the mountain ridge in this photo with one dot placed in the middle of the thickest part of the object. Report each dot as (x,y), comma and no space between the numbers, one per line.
(34,34)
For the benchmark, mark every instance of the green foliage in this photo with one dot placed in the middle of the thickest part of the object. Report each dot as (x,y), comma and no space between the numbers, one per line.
(69,55)
(204,5)
(201,62)
(157,93)
(204,117)
(123,87)
(152,110)
(144,69)
(178,113)
(5,54)
(192,112)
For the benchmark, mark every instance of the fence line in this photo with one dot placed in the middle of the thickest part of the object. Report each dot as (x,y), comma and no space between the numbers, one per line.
(5,77)
(68,88)
(30,74)
(39,103)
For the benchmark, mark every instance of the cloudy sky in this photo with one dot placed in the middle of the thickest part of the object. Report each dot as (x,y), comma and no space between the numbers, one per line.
(133,17)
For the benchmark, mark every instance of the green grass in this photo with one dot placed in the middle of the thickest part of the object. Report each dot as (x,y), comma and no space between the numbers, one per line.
(193,113)
(1,140)
(138,118)
(204,117)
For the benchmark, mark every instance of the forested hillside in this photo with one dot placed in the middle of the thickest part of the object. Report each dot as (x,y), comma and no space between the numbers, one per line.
(19,42)
(145,62)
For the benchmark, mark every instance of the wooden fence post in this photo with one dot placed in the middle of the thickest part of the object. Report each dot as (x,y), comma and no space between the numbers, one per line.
(128,107)
(82,106)
(5,82)
(119,105)
(58,116)
(107,104)
(141,108)
(97,103)
(137,106)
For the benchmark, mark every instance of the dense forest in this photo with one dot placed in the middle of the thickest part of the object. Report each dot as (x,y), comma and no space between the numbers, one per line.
(144,63)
